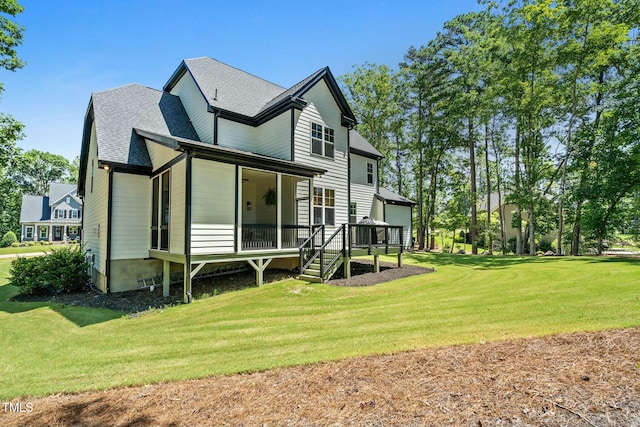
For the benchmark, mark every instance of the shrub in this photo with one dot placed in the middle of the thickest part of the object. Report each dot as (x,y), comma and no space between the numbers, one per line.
(15,245)
(545,245)
(8,239)
(63,270)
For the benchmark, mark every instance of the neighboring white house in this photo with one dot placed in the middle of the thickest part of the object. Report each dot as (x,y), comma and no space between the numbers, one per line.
(222,166)
(55,217)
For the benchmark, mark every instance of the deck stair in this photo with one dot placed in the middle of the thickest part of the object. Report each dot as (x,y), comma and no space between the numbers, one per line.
(319,262)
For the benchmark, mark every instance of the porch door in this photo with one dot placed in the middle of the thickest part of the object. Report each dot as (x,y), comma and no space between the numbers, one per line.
(57,233)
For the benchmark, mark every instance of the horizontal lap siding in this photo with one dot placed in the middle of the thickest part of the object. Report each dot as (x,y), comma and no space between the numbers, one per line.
(274,137)
(400,215)
(322,109)
(94,233)
(177,216)
(195,106)
(212,238)
(363,197)
(160,155)
(213,207)
(131,214)
(236,135)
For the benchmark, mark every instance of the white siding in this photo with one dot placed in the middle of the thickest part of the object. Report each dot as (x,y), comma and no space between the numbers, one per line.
(274,137)
(236,135)
(377,210)
(159,154)
(363,197)
(400,215)
(94,234)
(196,107)
(359,170)
(131,215)
(323,109)
(177,195)
(213,207)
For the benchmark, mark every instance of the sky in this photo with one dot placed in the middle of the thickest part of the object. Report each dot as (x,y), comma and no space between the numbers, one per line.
(76,47)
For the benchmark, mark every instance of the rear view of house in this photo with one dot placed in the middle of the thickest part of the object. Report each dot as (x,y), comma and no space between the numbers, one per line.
(220,167)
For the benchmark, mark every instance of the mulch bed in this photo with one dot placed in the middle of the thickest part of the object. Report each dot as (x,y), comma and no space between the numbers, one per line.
(133,302)
(582,379)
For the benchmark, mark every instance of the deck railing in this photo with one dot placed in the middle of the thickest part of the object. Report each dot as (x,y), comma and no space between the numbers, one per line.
(264,236)
(369,236)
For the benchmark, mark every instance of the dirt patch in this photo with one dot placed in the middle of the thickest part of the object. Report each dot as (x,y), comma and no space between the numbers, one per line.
(583,379)
(133,302)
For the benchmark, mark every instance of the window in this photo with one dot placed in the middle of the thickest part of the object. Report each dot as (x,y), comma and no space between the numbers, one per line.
(73,231)
(28,232)
(160,210)
(74,214)
(60,214)
(353,213)
(322,140)
(324,211)
(43,233)
(369,173)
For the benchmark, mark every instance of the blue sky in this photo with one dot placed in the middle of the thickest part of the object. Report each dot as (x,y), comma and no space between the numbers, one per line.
(76,47)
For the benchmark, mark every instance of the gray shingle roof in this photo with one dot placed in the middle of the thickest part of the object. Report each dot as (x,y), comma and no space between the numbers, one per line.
(35,208)
(359,145)
(230,88)
(58,190)
(118,111)
(393,198)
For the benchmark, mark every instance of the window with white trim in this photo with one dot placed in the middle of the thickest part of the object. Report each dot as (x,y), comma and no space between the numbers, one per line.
(322,140)
(44,232)
(353,213)
(28,232)
(369,173)
(324,202)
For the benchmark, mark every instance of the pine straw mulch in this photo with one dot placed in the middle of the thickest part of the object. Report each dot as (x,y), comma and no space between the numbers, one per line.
(581,379)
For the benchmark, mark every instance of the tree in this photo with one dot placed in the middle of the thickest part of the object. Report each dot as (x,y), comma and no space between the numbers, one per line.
(34,170)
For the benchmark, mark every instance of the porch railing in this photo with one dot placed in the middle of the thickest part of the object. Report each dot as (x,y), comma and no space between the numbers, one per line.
(264,236)
(309,248)
(259,236)
(369,236)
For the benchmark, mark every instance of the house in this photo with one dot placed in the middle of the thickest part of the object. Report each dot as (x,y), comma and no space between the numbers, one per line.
(56,217)
(220,167)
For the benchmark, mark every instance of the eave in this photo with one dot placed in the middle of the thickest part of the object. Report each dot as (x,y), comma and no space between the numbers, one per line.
(232,156)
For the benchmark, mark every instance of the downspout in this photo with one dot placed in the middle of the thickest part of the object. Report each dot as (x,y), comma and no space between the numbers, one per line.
(293,139)
(216,113)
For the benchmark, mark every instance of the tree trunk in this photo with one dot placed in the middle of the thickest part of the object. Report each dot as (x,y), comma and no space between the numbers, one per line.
(489,236)
(575,240)
(519,244)
(474,195)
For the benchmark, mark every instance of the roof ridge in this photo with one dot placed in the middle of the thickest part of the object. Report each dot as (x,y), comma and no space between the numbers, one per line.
(128,85)
(238,69)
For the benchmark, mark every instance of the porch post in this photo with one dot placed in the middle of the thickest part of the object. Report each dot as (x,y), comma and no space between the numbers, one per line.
(166,277)
(187,282)
(347,266)
(260,265)
(376,263)
(400,259)
(279,211)
(50,233)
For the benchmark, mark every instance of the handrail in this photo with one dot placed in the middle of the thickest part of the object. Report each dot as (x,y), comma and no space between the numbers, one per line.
(340,231)
(309,246)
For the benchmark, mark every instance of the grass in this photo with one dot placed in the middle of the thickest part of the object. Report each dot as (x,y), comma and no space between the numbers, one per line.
(51,348)
(27,249)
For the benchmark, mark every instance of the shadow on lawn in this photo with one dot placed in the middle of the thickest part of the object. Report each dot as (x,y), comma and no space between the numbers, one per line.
(492,262)
(81,316)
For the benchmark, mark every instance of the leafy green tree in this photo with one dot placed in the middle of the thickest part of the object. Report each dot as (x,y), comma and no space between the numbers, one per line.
(34,170)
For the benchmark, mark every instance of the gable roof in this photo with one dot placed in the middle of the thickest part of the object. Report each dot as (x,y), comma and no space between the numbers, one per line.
(35,208)
(359,145)
(116,112)
(243,97)
(58,190)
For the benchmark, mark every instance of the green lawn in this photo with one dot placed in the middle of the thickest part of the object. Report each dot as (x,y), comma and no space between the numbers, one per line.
(28,249)
(52,348)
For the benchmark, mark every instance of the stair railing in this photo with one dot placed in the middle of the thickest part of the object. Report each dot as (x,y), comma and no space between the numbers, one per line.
(335,247)
(308,249)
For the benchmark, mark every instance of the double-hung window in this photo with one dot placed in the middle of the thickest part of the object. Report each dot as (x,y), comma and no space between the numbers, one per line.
(322,140)
(324,202)
(369,173)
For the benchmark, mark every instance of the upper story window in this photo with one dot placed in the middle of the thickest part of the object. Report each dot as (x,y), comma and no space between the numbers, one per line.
(369,173)
(322,140)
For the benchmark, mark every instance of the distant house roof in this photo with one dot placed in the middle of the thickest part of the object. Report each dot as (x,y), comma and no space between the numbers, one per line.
(393,198)
(57,191)
(493,198)
(359,145)
(35,209)
(38,208)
